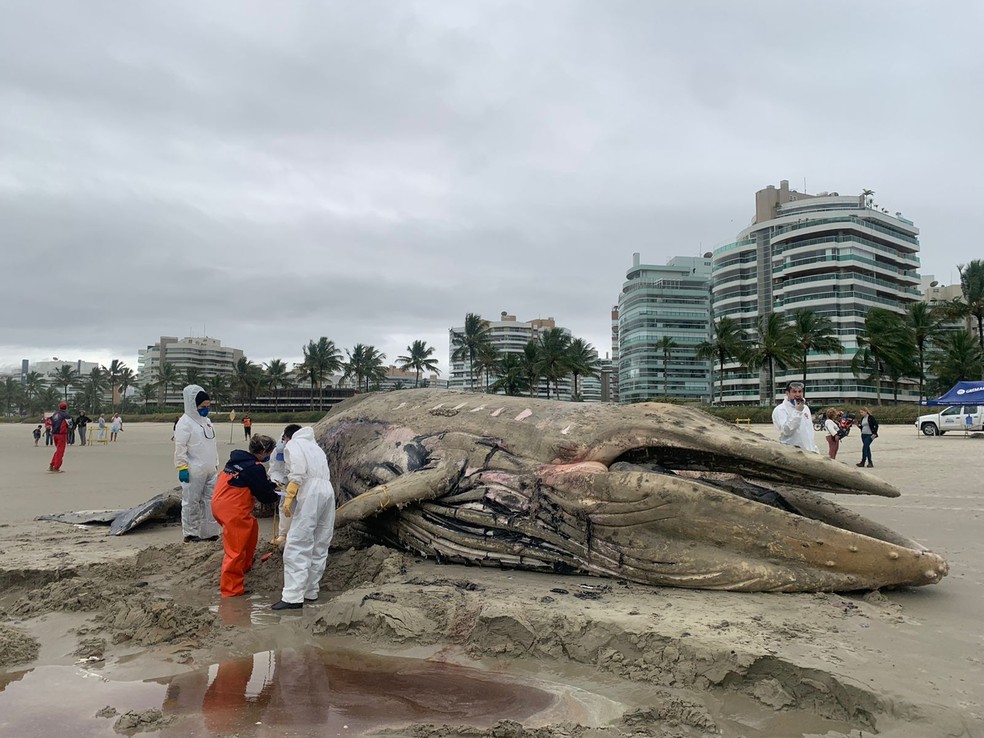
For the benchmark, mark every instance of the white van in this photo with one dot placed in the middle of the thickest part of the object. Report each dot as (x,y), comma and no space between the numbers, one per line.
(953,418)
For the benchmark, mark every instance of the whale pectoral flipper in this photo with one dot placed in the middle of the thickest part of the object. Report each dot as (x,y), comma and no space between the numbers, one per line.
(425,484)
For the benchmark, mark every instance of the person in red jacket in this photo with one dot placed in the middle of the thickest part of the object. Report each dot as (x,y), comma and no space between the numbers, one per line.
(59,432)
(242,479)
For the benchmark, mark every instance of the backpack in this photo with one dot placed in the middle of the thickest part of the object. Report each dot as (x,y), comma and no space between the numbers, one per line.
(59,423)
(843,431)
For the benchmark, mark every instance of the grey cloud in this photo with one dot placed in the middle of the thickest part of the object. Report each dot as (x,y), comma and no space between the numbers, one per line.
(373,171)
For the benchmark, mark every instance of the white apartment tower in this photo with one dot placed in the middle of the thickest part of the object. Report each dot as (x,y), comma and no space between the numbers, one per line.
(509,336)
(840,256)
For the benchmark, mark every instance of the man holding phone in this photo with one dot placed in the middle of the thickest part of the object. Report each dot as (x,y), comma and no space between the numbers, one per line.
(793,420)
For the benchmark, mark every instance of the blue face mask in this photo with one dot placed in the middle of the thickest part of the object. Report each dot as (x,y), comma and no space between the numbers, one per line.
(265,459)
(203,411)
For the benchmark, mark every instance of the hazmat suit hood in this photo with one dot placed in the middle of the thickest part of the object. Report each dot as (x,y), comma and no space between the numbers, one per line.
(307,432)
(191,409)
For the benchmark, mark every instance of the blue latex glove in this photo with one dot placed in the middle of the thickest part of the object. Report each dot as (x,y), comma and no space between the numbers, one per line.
(183,476)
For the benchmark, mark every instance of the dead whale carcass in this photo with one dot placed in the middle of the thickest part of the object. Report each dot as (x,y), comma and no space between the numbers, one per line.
(159,508)
(653,493)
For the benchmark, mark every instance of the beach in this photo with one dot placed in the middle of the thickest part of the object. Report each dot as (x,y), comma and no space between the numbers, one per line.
(142,613)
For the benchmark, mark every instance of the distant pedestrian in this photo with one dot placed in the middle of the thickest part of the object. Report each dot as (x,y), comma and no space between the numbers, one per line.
(175,426)
(81,422)
(869,432)
(59,432)
(833,436)
(71,431)
(47,431)
(37,434)
(247,427)
(115,426)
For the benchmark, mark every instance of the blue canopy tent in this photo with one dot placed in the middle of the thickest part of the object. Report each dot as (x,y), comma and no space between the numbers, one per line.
(962,393)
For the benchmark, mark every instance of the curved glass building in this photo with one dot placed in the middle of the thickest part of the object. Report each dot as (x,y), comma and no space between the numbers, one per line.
(839,256)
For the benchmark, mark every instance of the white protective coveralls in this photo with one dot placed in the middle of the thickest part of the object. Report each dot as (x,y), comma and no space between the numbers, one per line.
(194,445)
(795,426)
(313,521)
(278,473)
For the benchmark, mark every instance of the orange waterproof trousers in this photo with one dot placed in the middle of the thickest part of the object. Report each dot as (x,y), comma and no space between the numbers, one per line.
(232,508)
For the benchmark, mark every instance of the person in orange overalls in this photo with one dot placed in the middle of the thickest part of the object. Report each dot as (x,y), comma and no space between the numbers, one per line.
(242,479)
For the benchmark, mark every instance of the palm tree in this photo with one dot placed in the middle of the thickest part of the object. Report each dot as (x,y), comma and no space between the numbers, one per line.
(320,359)
(530,362)
(487,361)
(277,378)
(883,342)
(512,378)
(955,356)
(65,376)
(246,378)
(582,360)
(193,375)
(34,384)
(147,392)
(924,322)
(365,363)
(419,359)
(774,344)
(10,393)
(812,332)
(553,343)
(113,373)
(94,386)
(665,345)
(465,345)
(167,375)
(127,378)
(972,288)
(727,342)
(218,388)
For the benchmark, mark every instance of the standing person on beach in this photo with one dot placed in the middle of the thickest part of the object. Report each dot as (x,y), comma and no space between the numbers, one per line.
(793,420)
(833,439)
(59,432)
(869,432)
(196,458)
(247,427)
(37,434)
(242,479)
(310,503)
(81,422)
(115,426)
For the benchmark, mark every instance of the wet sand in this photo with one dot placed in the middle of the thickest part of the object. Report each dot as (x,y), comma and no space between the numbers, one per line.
(144,606)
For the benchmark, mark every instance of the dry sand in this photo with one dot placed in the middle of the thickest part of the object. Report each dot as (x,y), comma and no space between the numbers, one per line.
(619,659)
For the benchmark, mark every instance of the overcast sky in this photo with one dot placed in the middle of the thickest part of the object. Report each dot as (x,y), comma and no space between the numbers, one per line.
(270,172)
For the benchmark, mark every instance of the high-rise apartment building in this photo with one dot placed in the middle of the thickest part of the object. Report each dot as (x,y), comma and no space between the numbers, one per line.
(508,336)
(205,355)
(839,256)
(657,303)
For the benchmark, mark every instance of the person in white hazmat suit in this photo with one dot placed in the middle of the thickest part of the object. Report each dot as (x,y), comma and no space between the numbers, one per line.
(278,473)
(197,461)
(310,504)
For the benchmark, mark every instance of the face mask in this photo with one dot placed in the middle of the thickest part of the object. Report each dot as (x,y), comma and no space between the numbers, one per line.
(265,459)
(203,411)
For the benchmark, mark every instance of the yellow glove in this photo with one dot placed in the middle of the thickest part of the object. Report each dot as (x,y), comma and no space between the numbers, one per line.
(292,490)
